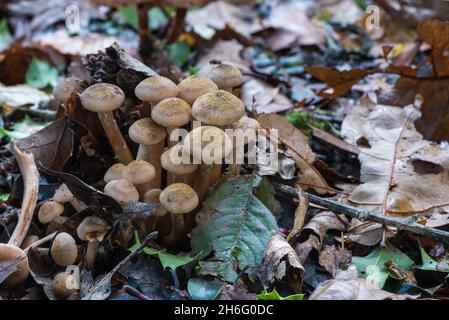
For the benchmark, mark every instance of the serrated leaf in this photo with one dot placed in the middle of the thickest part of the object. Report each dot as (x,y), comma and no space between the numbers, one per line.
(430,264)
(274,295)
(167,260)
(200,289)
(236,226)
(179,52)
(41,75)
(372,267)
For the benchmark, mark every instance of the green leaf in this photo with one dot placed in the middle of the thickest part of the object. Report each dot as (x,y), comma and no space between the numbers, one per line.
(25,128)
(22,95)
(372,267)
(274,295)
(430,264)
(5,35)
(129,14)
(179,52)
(200,289)
(41,75)
(4,196)
(168,260)
(236,226)
(265,193)
(194,71)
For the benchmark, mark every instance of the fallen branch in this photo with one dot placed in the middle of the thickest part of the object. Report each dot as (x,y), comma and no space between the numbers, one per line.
(408,224)
(30,177)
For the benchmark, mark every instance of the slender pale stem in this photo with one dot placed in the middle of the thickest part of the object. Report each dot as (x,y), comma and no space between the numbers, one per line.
(115,137)
(152,154)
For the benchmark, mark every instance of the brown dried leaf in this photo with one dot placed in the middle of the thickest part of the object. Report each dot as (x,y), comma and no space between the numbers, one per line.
(332,258)
(324,221)
(281,265)
(300,216)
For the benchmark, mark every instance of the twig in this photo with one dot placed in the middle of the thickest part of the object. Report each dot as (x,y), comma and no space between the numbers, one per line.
(134,292)
(31,187)
(408,224)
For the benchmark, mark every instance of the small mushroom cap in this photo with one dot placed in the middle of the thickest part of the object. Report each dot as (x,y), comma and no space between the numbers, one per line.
(63,194)
(63,250)
(145,131)
(179,198)
(65,88)
(122,191)
(194,86)
(9,252)
(59,285)
(171,161)
(219,108)
(102,97)
(139,172)
(93,228)
(172,113)
(49,211)
(226,76)
(114,172)
(245,123)
(155,89)
(197,141)
(153,196)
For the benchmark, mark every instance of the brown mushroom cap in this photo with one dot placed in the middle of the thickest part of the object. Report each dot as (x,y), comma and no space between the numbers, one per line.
(194,86)
(219,108)
(153,196)
(199,138)
(59,285)
(155,89)
(122,191)
(63,194)
(145,131)
(226,76)
(49,211)
(139,172)
(245,123)
(171,113)
(93,228)
(55,224)
(179,198)
(65,88)
(63,250)
(9,252)
(114,172)
(169,163)
(102,97)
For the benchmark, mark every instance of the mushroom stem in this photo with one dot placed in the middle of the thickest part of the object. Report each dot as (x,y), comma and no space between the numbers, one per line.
(40,241)
(152,154)
(78,205)
(177,230)
(91,253)
(30,176)
(207,176)
(115,137)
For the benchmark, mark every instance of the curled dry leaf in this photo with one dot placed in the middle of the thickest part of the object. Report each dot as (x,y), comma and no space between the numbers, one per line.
(281,265)
(347,286)
(297,146)
(324,221)
(300,216)
(399,169)
(225,51)
(331,258)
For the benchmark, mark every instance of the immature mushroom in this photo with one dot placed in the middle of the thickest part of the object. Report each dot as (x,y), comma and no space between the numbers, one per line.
(49,211)
(179,199)
(151,138)
(103,98)
(194,86)
(66,87)
(114,172)
(59,285)
(209,145)
(11,250)
(171,113)
(122,191)
(140,173)
(218,108)
(63,250)
(154,89)
(152,196)
(92,229)
(63,195)
(226,76)
(171,161)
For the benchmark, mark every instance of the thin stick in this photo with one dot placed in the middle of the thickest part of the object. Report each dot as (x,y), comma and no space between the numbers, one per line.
(408,224)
